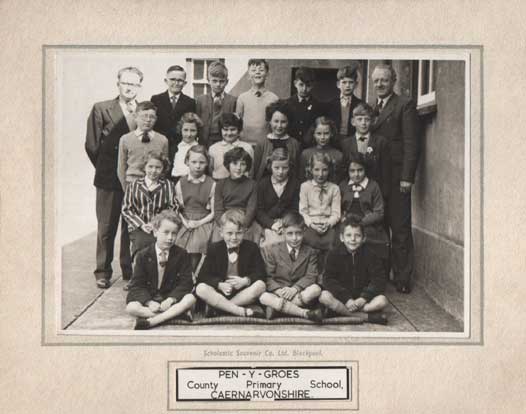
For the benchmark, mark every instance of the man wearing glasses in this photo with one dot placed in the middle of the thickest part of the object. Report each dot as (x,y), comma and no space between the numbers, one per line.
(171,105)
(107,123)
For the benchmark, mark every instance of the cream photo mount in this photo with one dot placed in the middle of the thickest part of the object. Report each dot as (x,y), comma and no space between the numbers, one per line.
(76,76)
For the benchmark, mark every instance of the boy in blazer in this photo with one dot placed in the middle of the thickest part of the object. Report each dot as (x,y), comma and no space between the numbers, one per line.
(373,148)
(340,109)
(171,105)
(212,105)
(233,272)
(354,279)
(107,123)
(292,270)
(397,121)
(162,278)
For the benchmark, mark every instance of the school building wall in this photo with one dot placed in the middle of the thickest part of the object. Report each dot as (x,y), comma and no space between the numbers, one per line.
(438,197)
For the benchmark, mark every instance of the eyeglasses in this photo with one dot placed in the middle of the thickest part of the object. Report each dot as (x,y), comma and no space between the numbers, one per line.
(134,85)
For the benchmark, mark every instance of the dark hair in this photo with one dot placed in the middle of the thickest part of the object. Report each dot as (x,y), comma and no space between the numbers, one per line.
(145,106)
(320,157)
(305,75)
(353,221)
(218,69)
(278,106)
(156,155)
(190,118)
(293,218)
(197,149)
(362,109)
(357,158)
(231,119)
(258,62)
(237,154)
(175,68)
(321,120)
(169,215)
(350,71)
(131,69)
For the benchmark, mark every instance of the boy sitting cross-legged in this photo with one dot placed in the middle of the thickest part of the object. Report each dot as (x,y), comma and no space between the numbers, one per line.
(292,269)
(233,271)
(161,284)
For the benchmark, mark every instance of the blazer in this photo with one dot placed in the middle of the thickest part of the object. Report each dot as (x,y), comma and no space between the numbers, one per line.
(177,280)
(283,272)
(215,266)
(205,110)
(334,111)
(358,274)
(303,116)
(270,206)
(168,117)
(377,162)
(398,123)
(106,125)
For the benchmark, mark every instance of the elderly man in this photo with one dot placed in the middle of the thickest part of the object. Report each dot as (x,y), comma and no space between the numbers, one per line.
(107,123)
(397,121)
(171,105)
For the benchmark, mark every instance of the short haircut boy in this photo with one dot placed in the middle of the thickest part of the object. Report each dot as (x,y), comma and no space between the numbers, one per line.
(234,216)
(175,68)
(347,72)
(237,154)
(190,118)
(293,218)
(231,119)
(363,109)
(304,74)
(217,69)
(257,62)
(145,106)
(354,222)
(168,215)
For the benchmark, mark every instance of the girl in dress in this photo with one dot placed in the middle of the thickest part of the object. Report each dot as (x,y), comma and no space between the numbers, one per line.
(189,127)
(195,194)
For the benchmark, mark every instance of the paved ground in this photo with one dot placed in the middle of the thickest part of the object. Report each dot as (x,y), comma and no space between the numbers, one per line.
(84,306)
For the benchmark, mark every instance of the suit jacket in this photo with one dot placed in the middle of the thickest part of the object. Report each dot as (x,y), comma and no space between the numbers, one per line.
(215,266)
(355,275)
(303,116)
(205,110)
(168,117)
(398,123)
(334,111)
(270,206)
(282,271)
(378,162)
(106,125)
(177,280)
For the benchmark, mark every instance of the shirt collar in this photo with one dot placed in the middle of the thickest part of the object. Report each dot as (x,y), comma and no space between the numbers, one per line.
(300,99)
(315,184)
(345,98)
(183,144)
(196,180)
(170,95)
(290,248)
(278,184)
(262,91)
(235,143)
(272,136)
(140,133)
(158,251)
(221,95)
(368,136)
(385,100)
(363,184)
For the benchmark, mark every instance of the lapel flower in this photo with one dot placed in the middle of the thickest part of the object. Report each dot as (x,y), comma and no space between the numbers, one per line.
(369,150)
(309,107)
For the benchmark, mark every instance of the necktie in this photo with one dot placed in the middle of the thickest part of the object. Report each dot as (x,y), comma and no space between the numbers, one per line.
(323,189)
(362,139)
(380,105)
(258,94)
(217,104)
(163,258)
(233,254)
(345,101)
(293,254)
(145,137)
(173,99)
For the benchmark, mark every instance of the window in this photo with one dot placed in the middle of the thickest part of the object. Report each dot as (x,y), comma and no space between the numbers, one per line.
(426,101)
(197,70)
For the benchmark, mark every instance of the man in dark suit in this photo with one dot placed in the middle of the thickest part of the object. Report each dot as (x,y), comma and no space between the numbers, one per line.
(171,105)
(107,123)
(340,109)
(212,105)
(397,121)
(304,107)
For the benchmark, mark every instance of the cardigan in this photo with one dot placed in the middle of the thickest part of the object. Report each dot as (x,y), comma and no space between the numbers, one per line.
(240,193)
(215,266)
(272,207)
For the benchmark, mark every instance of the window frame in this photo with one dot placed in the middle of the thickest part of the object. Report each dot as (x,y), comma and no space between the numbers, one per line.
(426,100)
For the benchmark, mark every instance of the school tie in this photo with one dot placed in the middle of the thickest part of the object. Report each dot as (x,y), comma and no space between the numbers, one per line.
(258,94)
(173,100)
(218,103)
(362,139)
(145,137)
(163,258)
(293,254)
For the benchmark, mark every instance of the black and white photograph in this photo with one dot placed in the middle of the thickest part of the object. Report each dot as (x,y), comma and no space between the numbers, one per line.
(259,191)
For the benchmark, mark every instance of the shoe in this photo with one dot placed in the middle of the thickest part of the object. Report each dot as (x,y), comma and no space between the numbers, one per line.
(186,316)
(403,287)
(377,318)
(142,324)
(103,283)
(315,315)
(269,313)
(210,312)
(257,312)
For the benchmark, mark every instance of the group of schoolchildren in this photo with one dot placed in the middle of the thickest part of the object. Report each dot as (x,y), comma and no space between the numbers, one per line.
(277,204)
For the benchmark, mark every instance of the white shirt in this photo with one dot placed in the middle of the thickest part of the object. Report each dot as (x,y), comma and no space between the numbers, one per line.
(140,133)
(160,269)
(384,101)
(180,168)
(279,187)
(297,249)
